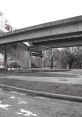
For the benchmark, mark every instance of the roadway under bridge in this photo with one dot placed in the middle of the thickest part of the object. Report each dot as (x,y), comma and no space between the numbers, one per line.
(57,34)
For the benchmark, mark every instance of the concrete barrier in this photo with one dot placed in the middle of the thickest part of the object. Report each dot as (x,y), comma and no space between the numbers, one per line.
(41,70)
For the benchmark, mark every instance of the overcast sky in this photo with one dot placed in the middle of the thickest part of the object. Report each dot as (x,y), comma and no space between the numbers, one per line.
(24,13)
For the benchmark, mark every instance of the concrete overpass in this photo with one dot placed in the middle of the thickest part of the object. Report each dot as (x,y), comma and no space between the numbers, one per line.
(62,33)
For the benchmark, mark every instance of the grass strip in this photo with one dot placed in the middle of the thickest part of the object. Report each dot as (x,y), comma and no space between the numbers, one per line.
(57,88)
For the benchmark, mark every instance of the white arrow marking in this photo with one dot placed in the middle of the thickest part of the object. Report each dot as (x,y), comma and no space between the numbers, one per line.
(26,113)
(4,106)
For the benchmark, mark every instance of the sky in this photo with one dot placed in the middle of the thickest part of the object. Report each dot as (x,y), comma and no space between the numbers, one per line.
(25,13)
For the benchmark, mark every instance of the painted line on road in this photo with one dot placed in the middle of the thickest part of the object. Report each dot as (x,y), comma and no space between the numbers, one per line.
(44,94)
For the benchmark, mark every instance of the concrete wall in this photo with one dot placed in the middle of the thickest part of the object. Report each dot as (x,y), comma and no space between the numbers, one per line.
(19,54)
(36,61)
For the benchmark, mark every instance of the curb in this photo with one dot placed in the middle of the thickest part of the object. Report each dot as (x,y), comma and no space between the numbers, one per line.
(32,70)
(44,94)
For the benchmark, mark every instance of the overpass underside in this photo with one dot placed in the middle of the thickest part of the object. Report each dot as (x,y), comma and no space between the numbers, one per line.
(66,40)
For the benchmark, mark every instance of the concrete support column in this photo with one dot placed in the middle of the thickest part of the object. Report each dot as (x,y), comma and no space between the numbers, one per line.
(5,55)
(30,58)
(41,62)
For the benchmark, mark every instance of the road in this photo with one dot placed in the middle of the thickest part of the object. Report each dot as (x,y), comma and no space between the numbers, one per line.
(13,104)
(73,77)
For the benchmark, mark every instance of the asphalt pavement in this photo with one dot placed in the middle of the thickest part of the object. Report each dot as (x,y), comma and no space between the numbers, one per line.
(71,77)
(14,104)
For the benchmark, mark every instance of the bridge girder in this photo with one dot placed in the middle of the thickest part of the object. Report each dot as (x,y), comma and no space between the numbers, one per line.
(68,30)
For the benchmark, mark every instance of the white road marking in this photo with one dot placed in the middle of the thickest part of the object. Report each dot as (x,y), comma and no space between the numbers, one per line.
(13,97)
(26,113)
(4,106)
(21,101)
